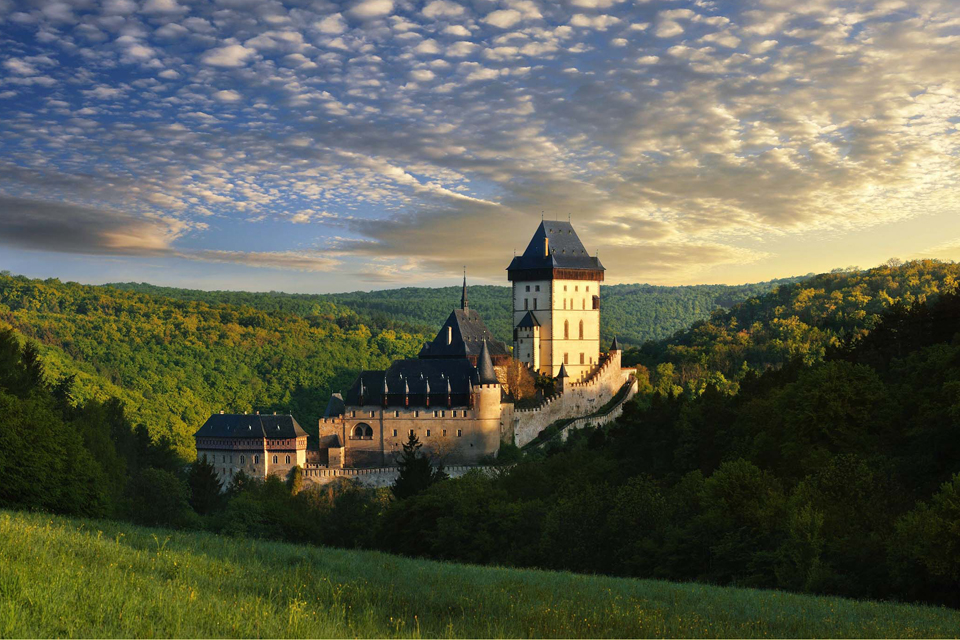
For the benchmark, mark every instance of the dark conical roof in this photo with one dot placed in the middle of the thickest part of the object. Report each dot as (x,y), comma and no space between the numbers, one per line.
(615,346)
(485,367)
(555,245)
(563,372)
(463,296)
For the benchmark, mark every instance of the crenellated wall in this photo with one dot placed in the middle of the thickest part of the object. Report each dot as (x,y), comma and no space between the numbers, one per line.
(374,477)
(577,399)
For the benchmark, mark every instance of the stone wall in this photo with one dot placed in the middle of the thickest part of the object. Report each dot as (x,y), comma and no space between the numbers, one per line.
(376,477)
(577,399)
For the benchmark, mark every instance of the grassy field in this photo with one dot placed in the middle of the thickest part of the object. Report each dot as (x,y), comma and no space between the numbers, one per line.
(67,577)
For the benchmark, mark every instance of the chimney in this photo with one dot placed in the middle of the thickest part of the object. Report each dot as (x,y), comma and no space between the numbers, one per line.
(221,411)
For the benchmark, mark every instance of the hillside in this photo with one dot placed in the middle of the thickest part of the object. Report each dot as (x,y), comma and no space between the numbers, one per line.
(633,312)
(803,320)
(107,579)
(174,362)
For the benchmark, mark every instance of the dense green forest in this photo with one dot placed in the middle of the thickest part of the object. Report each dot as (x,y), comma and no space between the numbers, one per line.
(831,466)
(801,320)
(634,313)
(175,362)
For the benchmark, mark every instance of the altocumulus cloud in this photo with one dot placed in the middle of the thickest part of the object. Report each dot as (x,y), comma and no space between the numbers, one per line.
(680,135)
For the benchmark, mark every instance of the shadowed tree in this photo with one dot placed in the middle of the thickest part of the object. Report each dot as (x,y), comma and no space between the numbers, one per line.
(416,472)
(206,489)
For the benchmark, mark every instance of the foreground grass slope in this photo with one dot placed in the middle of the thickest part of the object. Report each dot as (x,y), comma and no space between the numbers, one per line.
(66,577)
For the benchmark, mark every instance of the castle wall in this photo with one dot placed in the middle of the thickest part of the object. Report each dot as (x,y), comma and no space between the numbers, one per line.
(452,434)
(373,477)
(577,399)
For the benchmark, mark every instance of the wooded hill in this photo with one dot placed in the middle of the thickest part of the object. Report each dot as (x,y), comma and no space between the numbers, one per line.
(634,313)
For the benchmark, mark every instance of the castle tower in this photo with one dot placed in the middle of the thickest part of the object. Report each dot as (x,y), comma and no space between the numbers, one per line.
(556,303)
(488,402)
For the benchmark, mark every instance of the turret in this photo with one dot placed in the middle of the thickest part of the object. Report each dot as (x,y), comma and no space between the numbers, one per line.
(463,296)
(563,378)
(488,405)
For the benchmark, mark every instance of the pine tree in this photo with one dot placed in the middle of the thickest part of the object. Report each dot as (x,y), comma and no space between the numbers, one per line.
(205,487)
(416,472)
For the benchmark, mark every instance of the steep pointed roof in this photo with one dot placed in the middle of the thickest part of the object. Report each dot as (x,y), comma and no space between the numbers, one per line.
(463,296)
(462,336)
(528,321)
(485,366)
(563,372)
(615,345)
(555,245)
(335,406)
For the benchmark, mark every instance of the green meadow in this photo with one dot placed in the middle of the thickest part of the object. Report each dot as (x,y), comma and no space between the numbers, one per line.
(71,577)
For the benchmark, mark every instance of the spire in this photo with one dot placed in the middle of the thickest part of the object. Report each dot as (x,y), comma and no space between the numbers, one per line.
(563,373)
(463,296)
(485,367)
(615,346)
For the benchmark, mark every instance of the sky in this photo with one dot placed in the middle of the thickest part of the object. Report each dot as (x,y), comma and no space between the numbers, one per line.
(316,146)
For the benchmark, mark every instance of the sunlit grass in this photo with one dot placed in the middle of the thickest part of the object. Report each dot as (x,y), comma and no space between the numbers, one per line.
(67,577)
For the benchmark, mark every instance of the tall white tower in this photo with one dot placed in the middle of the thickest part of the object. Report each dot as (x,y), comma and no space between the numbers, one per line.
(556,303)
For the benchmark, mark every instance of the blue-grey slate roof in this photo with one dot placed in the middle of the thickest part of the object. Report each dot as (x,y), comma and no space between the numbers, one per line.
(232,425)
(565,250)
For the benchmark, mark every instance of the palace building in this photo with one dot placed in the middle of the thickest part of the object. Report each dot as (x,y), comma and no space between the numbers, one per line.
(455,396)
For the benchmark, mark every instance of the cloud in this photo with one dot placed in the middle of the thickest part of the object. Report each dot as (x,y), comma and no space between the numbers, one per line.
(232,55)
(20,67)
(227,95)
(308,261)
(442,9)
(333,24)
(162,7)
(70,228)
(367,9)
(503,18)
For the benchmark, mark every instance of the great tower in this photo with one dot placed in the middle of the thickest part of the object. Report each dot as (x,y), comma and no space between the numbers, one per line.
(556,303)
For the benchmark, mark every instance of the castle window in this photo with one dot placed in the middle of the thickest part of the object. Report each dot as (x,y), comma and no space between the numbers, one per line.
(411,431)
(363,432)
(528,288)
(396,414)
(581,358)
(566,358)
(224,459)
(288,459)
(566,326)
(459,432)
(274,459)
(428,433)
(454,413)
(526,304)
(416,414)
(581,332)
(373,414)
(588,288)
(444,433)
(394,433)
(577,288)
(564,287)
(534,304)
(435,413)
(242,460)
(256,459)
(443,413)
(537,288)
(353,414)
(564,303)
(584,301)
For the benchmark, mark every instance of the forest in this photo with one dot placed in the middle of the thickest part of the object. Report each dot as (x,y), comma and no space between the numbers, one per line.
(635,313)
(805,440)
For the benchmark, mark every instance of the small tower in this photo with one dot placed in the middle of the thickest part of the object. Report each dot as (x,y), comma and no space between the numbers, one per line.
(463,296)
(563,379)
(616,352)
(488,404)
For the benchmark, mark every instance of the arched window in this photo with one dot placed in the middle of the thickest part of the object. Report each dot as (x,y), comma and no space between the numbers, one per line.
(274,459)
(581,329)
(241,459)
(288,459)
(363,432)
(256,459)
(566,328)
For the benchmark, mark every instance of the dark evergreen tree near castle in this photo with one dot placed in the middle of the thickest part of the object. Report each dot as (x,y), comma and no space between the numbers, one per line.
(206,489)
(416,474)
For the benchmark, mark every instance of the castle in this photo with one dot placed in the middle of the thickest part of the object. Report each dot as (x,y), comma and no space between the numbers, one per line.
(456,396)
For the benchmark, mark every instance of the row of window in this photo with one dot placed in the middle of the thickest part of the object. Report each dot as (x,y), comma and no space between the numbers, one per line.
(576,287)
(566,359)
(437,413)
(583,303)
(243,459)
(365,432)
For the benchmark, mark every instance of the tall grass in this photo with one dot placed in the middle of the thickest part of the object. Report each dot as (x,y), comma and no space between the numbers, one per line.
(68,577)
